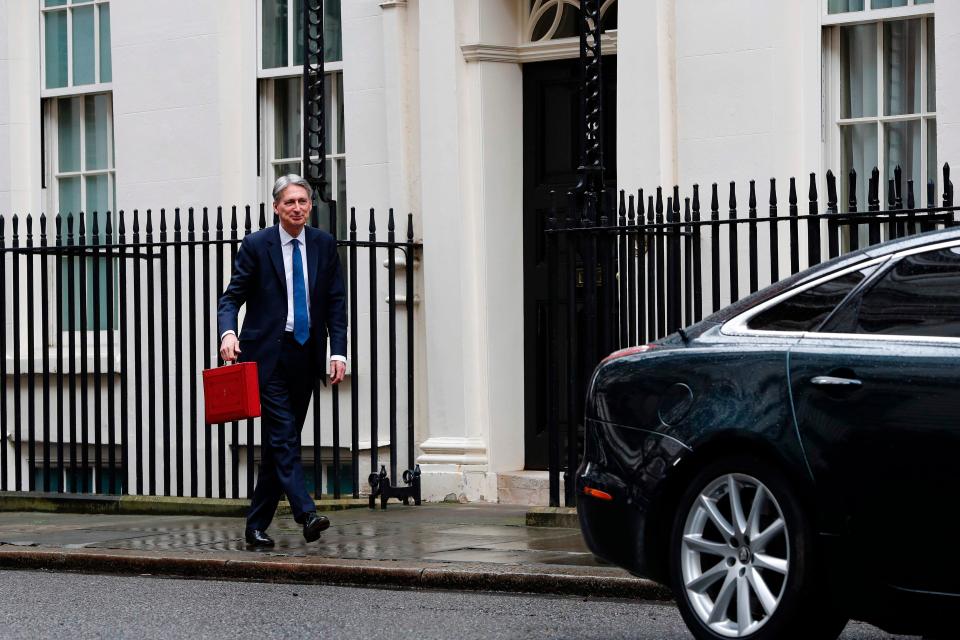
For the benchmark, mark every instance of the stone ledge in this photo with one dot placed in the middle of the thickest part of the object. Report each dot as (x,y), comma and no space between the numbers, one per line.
(561,517)
(57,502)
(148,505)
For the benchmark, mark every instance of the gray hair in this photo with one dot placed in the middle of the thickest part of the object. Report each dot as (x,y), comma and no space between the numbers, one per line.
(290,179)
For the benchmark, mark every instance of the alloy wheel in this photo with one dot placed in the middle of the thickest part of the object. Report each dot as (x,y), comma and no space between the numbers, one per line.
(735,555)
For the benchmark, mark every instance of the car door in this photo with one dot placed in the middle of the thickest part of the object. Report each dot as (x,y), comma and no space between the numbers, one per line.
(876,394)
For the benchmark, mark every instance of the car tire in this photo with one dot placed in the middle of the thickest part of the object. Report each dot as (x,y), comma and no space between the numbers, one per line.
(745,567)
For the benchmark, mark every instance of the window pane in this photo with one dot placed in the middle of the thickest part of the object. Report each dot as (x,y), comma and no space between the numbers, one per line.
(903,148)
(886,4)
(341,131)
(342,184)
(609,21)
(68,134)
(96,129)
(542,28)
(336,175)
(55,49)
(98,201)
(106,61)
(923,2)
(298,30)
(901,64)
(274,33)
(110,480)
(284,168)
(931,69)
(83,54)
(859,151)
(288,121)
(79,481)
(858,63)
(54,3)
(69,197)
(328,110)
(346,479)
(843,6)
(933,170)
(332,39)
(807,310)
(49,480)
(919,296)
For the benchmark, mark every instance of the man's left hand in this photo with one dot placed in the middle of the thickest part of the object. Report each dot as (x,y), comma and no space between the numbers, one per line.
(338,370)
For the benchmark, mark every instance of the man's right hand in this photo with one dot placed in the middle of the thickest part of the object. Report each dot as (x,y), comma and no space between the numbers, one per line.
(230,348)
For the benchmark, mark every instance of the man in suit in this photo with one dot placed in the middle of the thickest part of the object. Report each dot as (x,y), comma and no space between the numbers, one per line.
(289,277)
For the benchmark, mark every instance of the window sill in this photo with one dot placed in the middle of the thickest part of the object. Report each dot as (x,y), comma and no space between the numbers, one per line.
(25,363)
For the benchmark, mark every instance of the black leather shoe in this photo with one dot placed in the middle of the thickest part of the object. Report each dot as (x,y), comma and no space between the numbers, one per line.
(313,525)
(257,538)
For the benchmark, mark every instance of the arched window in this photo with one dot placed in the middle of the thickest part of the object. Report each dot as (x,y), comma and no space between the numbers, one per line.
(555,19)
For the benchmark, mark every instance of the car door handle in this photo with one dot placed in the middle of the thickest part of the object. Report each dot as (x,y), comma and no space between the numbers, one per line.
(833,381)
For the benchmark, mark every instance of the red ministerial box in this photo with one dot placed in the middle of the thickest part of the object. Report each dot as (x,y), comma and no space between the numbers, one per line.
(231,393)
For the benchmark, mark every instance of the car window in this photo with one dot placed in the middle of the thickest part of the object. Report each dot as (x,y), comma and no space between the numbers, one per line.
(917,296)
(768,293)
(808,309)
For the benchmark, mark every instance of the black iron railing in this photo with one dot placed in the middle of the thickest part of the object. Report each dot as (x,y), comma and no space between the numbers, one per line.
(109,319)
(661,264)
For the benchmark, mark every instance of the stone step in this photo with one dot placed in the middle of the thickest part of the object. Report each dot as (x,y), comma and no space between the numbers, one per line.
(527,488)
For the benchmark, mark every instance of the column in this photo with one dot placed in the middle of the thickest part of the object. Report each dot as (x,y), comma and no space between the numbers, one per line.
(454,448)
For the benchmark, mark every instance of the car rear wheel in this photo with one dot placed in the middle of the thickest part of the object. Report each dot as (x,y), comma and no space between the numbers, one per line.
(741,557)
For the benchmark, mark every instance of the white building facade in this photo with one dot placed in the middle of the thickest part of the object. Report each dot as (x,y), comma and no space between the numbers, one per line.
(435,108)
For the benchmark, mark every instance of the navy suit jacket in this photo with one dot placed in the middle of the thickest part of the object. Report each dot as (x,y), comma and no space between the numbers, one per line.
(259,282)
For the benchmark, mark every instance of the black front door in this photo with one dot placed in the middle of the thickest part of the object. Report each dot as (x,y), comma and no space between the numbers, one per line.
(551,154)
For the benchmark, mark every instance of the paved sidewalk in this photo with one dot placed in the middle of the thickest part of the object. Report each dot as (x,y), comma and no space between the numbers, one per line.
(445,546)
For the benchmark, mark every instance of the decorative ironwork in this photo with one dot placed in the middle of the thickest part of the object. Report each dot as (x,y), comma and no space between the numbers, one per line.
(380,487)
(554,19)
(591,99)
(314,99)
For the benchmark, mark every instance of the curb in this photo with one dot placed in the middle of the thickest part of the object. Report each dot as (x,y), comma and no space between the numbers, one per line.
(149,505)
(449,577)
(561,517)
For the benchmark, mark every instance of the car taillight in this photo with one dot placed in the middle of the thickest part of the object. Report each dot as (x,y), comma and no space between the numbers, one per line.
(629,351)
(597,493)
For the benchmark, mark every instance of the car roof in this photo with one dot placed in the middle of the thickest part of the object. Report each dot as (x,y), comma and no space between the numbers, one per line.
(911,242)
(848,259)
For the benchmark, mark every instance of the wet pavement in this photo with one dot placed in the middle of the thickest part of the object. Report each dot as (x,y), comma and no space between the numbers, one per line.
(461,533)
(484,545)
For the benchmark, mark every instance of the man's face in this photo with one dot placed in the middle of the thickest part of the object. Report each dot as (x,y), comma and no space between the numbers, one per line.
(293,208)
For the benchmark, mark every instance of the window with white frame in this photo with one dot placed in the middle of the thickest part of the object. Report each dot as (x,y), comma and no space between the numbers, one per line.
(79,166)
(880,93)
(281,101)
(78,105)
(76,43)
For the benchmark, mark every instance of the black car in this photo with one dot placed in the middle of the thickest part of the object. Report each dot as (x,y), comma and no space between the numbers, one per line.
(793,461)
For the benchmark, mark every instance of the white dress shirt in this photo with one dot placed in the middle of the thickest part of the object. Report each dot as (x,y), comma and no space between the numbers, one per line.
(286,246)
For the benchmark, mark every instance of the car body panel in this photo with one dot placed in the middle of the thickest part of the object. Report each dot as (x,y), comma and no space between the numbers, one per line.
(884,453)
(639,459)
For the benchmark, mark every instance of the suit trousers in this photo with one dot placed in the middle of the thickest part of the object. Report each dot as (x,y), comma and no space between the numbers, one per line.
(283,406)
